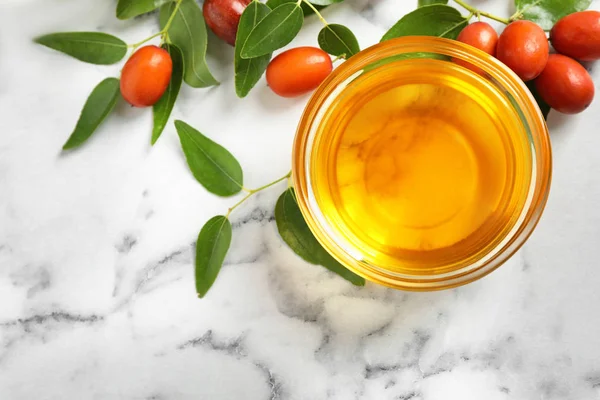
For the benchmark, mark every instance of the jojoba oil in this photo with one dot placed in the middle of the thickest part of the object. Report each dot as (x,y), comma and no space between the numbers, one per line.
(421,165)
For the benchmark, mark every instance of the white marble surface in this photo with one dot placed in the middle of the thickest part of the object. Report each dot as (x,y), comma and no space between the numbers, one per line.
(96,281)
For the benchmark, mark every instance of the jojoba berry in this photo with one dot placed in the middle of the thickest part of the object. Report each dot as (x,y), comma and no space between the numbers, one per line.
(298,71)
(524,48)
(480,35)
(578,35)
(146,76)
(223,17)
(565,85)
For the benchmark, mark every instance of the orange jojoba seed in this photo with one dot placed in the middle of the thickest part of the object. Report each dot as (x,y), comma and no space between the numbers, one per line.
(524,48)
(480,35)
(223,17)
(298,71)
(565,85)
(578,35)
(146,76)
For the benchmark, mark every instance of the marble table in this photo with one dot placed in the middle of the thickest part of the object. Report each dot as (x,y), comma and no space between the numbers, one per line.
(97,294)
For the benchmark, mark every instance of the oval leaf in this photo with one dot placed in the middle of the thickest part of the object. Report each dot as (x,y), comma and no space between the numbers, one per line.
(547,12)
(98,105)
(295,232)
(435,20)
(248,71)
(132,8)
(188,32)
(211,248)
(306,9)
(274,31)
(338,40)
(430,2)
(162,109)
(92,47)
(211,164)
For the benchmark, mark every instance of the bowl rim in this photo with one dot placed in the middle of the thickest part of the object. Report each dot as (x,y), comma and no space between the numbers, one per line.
(530,114)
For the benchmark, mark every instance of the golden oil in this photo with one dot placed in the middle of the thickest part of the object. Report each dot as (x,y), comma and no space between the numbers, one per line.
(421,165)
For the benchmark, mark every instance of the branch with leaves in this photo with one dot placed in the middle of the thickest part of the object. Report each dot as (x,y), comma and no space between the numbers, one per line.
(220,173)
(263,28)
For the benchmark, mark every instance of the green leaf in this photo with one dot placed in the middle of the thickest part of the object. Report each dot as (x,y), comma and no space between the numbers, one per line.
(92,47)
(430,2)
(434,20)
(211,164)
(132,8)
(248,71)
(274,31)
(324,3)
(544,107)
(98,105)
(547,12)
(162,109)
(338,40)
(306,9)
(295,232)
(211,248)
(188,32)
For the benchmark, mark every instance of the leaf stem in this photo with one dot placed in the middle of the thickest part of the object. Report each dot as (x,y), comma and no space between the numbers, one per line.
(268,185)
(138,44)
(172,17)
(474,10)
(163,32)
(520,13)
(254,191)
(317,13)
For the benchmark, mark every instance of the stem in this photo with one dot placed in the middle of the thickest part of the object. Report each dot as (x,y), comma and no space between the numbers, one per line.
(479,12)
(268,185)
(519,14)
(254,191)
(340,57)
(317,13)
(172,17)
(138,44)
(246,197)
(163,32)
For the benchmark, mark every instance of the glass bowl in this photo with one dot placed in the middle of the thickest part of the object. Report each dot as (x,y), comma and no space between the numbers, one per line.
(518,97)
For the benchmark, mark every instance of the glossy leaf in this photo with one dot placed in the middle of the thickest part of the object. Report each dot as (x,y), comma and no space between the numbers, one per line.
(162,109)
(274,31)
(430,2)
(99,104)
(92,47)
(211,248)
(547,12)
(211,164)
(434,20)
(544,107)
(188,32)
(306,9)
(248,71)
(338,40)
(132,8)
(295,232)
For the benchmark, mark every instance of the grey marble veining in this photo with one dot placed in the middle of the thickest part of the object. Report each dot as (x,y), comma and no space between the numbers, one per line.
(97,296)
